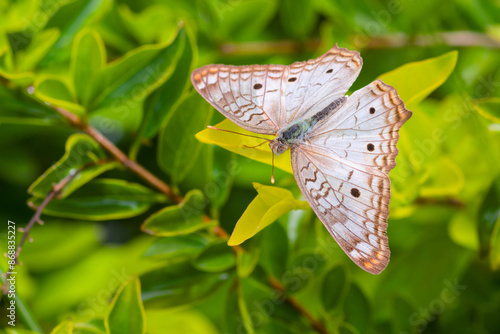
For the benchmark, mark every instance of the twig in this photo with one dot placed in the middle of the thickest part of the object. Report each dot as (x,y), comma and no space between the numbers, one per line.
(389,41)
(135,167)
(120,156)
(160,185)
(56,188)
(315,324)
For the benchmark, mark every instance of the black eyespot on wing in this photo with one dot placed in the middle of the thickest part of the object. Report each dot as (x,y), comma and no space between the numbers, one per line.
(329,71)
(355,192)
(372,110)
(257,86)
(292,79)
(370,147)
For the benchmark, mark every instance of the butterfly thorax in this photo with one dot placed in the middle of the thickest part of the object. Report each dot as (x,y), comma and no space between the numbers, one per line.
(297,132)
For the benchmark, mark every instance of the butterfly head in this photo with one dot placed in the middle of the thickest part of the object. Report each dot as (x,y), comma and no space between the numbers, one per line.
(278,146)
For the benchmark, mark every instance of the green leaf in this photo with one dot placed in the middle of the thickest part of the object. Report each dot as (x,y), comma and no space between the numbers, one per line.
(298,17)
(28,59)
(426,76)
(241,19)
(143,26)
(129,79)
(178,148)
(82,153)
(334,288)
(444,178)
(56,92)
(176,247)
(274,256)
(401,313)
(102,199)
(244,145)
(161,102)
(7,65)
(357,309)
(495,247)
(89,328)
(216,257)
(247,261)
(184,218)
(16,15)
(70,19)
(88,58)
(126,313)
(19,331)
(178,284)
(18,109)
(302,270)
(190,321)
(65,327)
(270,204)
(488,216)
(489,108)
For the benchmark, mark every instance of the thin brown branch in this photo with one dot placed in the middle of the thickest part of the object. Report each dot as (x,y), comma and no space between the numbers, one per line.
(56,188)
(120,156)
(315,324)
(388,41)
(451,38)
(134,166)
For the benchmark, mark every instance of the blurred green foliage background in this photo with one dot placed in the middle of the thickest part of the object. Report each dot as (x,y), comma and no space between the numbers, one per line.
(118,254)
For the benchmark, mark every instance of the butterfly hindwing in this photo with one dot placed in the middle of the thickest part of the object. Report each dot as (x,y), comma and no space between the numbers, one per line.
(342,169)
(365,129)
(353,213)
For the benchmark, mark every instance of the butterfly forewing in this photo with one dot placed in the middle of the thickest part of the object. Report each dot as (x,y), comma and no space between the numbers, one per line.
(250,96)
(314,84)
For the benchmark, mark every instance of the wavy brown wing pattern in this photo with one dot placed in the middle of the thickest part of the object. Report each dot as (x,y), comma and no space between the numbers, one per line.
(250,96)
(343,167)
(314,84)
(266,98)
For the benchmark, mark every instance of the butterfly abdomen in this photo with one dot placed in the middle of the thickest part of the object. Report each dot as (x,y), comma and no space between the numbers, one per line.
(330,109)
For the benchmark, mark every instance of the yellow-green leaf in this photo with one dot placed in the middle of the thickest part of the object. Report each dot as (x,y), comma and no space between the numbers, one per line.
(244,145)
(495,247)
(56,92)
(489,108)
(65,327)
(88,58)
(415,81)
(126,313)
(83,154)
(270,204)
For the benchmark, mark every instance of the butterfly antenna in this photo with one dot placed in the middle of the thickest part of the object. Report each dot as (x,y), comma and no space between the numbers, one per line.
(272,170)
(241,134)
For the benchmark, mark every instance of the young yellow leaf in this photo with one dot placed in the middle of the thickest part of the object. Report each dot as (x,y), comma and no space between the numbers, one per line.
(243,145)
(415,81)
(270,204)
(489,108)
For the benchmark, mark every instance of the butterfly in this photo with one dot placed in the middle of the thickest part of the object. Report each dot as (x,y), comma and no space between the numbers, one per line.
(342,147)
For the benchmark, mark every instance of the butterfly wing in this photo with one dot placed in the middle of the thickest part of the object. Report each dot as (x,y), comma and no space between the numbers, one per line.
(342,170)
(250,96)
(312,85)
(266,98)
